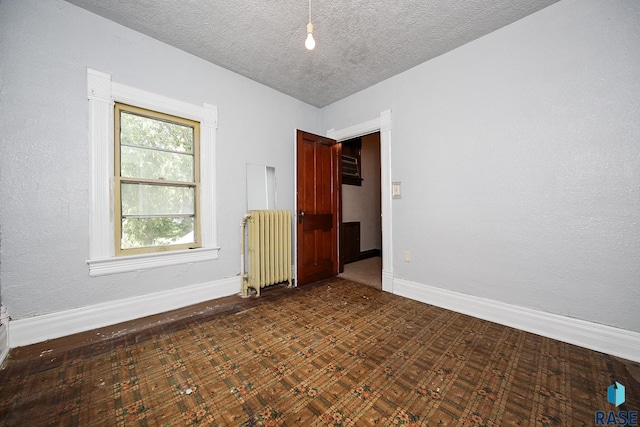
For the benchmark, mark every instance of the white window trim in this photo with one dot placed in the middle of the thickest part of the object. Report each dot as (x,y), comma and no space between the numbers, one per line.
(102,93)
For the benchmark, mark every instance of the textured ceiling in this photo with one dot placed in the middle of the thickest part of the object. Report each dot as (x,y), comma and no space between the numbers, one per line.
(358,42)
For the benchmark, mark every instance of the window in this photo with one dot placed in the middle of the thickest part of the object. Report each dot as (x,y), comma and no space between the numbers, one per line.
(104,255)
(156,181)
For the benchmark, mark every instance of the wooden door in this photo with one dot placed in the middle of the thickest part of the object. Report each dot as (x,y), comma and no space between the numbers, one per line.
(318,207)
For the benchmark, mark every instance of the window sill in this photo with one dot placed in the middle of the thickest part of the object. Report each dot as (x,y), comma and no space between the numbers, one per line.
(105,266)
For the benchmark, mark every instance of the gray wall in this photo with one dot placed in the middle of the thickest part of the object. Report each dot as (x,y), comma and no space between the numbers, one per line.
(45,176)
(519,157)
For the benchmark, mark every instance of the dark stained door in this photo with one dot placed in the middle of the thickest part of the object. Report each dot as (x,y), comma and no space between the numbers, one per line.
(318,207)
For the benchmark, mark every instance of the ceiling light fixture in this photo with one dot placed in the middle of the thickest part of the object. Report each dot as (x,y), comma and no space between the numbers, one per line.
(310,43)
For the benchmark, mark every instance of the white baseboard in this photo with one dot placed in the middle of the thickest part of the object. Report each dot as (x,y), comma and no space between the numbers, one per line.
(4,341)
(594,336)
(55,325)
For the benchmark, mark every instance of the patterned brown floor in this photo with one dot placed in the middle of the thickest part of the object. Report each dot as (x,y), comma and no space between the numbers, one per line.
(335,353)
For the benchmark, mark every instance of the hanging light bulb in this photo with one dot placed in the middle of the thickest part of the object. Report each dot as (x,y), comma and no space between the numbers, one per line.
(310,43)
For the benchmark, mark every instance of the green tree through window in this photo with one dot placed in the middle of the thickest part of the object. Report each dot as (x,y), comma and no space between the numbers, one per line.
(157,181)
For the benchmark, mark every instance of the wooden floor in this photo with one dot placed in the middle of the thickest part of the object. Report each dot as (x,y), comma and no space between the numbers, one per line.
(334,353)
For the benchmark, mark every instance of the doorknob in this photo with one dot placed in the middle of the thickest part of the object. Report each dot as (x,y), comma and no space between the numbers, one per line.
(300,216)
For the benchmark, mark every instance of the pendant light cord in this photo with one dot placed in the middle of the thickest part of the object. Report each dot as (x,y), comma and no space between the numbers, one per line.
(309,43)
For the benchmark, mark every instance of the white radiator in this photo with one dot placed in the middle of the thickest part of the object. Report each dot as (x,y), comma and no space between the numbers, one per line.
(269,249)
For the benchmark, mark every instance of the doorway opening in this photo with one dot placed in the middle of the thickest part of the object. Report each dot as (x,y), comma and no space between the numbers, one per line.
(361,221)
(382,125)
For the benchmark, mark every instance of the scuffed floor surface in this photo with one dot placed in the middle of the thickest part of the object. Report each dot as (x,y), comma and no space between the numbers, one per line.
(335,353)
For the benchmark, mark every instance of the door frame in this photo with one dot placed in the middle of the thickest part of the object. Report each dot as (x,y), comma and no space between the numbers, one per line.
(383,125)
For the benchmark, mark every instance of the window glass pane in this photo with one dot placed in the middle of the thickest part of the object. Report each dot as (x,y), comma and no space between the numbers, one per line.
(162,151)
(147,232)
(152,164)
(142,131)
(145,199)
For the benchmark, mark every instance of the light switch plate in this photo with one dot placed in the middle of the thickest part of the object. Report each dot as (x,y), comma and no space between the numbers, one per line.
(396,192)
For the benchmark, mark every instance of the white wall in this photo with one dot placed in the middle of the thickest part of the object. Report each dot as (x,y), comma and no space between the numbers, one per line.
(519,157)
(47,47)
